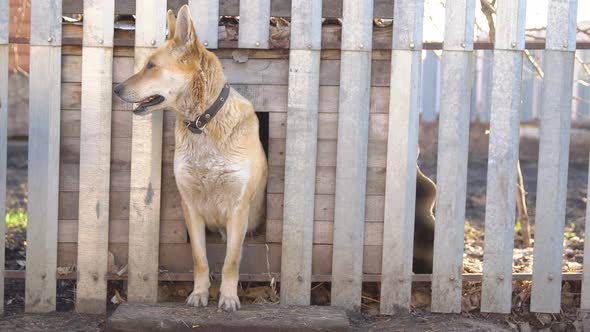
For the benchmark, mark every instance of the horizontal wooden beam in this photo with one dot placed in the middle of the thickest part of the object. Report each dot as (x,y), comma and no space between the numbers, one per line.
(188,276)
(125,38)
(280,8)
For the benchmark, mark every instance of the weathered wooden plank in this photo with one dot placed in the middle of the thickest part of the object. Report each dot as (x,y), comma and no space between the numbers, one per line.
(4,21)
(501,198)
(265,98)
(205,16)
(585,296)
(323,232)
(452,156)
(552,177)
(558,65)
(254,317)
(503,157)
(325,180)
(528,86)
(485,92)
(300,152)
(251,72)
(352,147)
(254,24)
(430,86)
(171,231)
(459,25)
(282,8)
(43,159)
(3,131)
(98,31)
(146,169)
(583,91)
(451,193)
(328,126)
(46,23)
(561,25)
(377,156)
(95,159)
(400,189)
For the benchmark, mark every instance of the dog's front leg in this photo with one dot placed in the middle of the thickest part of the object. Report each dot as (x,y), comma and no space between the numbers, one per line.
(236,231)
(196,230)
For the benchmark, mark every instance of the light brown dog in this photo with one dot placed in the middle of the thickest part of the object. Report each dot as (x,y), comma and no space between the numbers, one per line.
(219,163)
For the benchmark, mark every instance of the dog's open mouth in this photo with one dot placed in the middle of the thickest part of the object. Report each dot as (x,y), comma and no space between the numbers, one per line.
(142,105)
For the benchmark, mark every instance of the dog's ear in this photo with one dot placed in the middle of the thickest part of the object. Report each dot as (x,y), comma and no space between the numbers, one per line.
(171,20)
(185,30)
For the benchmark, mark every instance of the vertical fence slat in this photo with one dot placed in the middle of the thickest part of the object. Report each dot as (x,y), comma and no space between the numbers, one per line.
(400,188)
(95,156)
(485,92)
(3,132)
(585,297)
(43,171)
(351,160)
(300,152)
(146,167)
(528,89)
(452,156)
(205,15)
(553,156)
(503,157)
(254,23)
(429,81)
(583,103)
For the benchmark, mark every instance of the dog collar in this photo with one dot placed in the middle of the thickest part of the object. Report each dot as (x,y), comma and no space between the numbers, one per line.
(202,119)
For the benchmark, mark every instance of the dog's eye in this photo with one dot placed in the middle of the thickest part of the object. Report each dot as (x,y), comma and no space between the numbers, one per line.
(150,65)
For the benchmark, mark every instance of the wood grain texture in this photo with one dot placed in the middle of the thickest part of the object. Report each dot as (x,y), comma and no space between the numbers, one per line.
(145,189)
(3,146)
(453,140)
(301,138)
(252,72)
(282,8)
(585,296)
(43,175)
(352,149)
(205,16)
(501,179)
(176,317)
(503,158)
(150,24)
(98,30)
(46,23)
(95,161)
(400,190)
(552,181)
(254,24)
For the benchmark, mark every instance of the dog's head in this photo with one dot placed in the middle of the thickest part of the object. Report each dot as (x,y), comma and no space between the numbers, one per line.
(167,79)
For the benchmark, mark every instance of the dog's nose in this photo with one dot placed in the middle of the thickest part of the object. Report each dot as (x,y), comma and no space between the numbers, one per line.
(118,88)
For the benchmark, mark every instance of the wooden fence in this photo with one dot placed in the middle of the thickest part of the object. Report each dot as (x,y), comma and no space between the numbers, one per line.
(340,203)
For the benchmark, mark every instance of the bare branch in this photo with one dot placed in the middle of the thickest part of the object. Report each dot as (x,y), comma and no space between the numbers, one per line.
(534,63)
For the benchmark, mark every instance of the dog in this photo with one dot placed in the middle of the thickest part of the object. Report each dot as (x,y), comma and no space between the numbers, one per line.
(219,162)
(424,223)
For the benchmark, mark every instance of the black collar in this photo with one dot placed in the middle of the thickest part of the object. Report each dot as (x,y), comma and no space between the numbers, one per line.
(202,119)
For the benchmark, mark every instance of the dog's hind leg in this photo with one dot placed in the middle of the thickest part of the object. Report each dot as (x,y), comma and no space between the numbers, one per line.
(236,231)
(196,230)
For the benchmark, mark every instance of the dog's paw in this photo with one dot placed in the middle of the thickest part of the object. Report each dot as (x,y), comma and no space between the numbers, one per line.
(229,302)
(198,299)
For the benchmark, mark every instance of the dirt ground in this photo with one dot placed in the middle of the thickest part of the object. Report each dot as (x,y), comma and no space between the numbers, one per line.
(418,320)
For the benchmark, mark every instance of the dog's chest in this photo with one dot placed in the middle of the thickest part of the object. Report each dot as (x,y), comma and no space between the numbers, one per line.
(207,172)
